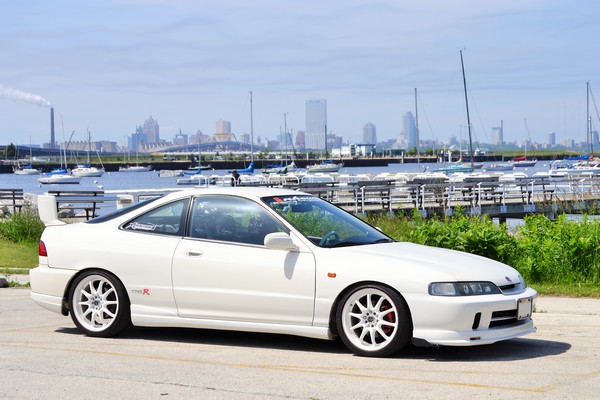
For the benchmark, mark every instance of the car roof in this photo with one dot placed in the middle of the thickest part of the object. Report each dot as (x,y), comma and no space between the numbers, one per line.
(253,192)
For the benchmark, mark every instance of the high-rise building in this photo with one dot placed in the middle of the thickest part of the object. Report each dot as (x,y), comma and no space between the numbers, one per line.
(223,126)
(151,130)
(551,138)
(137,140)
(497,135)
(316,124)
(180,139)
(223,131)
(300,140)
(369,133)
(245,138)
(409,128)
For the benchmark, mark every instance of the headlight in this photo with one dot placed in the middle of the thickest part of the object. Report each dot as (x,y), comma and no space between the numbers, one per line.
(462,288)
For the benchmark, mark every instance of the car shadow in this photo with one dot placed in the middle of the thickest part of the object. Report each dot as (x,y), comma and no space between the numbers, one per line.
(227,338)
(508,350)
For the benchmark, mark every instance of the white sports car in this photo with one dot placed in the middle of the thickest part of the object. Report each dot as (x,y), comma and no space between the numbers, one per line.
(271,260)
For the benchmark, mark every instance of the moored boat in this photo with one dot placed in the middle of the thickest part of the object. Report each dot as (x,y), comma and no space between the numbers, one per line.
(135,168)
(499,167)
(51,178)
(325,166)
(26,170)
(86,170)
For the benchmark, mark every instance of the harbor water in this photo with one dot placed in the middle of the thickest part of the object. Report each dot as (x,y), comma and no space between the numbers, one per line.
(151,179)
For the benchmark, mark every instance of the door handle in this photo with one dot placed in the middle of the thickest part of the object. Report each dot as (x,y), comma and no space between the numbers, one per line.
(193,253)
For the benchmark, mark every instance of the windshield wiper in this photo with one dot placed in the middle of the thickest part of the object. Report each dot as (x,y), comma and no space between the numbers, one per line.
(384,240)
(358,243)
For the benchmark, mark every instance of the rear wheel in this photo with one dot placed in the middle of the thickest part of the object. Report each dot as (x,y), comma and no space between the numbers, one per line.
(99,304)
(373,321)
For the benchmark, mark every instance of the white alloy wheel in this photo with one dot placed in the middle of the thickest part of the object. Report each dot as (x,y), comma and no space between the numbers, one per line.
(98,304)
(374,321)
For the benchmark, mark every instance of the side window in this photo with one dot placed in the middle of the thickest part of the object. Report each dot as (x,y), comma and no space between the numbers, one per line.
(230,219)
(165,220)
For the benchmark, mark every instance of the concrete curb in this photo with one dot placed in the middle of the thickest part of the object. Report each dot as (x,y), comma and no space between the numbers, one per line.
(19,278)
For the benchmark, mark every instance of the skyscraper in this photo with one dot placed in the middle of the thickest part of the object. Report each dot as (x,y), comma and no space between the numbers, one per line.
(497,135)
(409,128)
(223,131)
(151,130)
(316,124)
(551,138)
(369,133)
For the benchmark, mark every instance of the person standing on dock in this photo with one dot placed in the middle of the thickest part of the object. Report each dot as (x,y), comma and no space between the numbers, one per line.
(235,178)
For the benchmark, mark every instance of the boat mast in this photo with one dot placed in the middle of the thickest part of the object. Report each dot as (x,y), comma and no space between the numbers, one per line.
(467,104)
(588,122)
(89,146)
(417,126)
(325,141)
(251,131)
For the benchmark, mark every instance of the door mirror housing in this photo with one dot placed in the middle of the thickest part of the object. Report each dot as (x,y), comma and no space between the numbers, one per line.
(280,241)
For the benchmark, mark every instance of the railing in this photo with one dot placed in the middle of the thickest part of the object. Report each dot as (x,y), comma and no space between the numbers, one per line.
(476,196)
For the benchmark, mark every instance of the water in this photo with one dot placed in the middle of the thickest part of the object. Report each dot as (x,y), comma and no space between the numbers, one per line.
(151,180)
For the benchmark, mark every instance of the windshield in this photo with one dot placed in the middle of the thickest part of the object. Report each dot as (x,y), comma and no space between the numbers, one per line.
(323,223)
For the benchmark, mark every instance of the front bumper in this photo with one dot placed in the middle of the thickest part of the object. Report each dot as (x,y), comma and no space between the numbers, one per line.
(470,320)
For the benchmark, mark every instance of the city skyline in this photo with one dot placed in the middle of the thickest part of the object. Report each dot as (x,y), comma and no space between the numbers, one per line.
(106,66)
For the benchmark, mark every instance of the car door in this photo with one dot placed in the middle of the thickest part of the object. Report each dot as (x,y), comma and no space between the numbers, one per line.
(222,270)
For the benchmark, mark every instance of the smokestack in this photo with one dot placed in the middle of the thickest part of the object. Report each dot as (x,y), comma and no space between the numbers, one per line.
(52,142)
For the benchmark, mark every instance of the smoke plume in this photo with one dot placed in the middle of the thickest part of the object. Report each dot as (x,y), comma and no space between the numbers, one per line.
(14,94)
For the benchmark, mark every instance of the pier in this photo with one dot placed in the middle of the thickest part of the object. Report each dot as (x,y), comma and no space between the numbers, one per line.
(499,196)
(473,195)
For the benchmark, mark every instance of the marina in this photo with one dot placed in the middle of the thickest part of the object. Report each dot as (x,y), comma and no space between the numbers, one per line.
(395,188)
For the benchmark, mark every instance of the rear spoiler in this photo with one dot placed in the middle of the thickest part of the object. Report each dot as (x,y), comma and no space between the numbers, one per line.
(48,211)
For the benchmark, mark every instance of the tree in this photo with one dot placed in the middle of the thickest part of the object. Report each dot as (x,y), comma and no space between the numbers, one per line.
(11,151)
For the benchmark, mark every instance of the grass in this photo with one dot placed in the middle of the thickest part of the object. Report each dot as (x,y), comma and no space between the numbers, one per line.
(567,290)
(17,257)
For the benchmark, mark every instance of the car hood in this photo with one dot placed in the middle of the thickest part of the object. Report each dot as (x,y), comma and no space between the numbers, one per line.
(434,264)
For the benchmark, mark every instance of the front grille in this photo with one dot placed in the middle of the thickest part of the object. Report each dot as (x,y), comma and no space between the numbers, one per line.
(503,318)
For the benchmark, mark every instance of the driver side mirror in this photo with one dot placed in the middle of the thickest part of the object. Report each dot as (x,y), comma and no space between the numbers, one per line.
(280,241)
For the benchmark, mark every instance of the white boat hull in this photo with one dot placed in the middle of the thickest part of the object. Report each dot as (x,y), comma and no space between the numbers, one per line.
(87,172)
(26,171)
(59,179)
(134,169)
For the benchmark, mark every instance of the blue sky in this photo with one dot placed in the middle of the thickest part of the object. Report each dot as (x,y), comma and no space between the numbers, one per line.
(108,65)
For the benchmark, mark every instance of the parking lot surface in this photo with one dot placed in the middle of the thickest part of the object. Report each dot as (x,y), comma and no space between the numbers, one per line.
(45,357)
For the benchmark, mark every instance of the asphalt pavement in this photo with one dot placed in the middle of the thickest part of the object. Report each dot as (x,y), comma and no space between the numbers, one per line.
(45,357)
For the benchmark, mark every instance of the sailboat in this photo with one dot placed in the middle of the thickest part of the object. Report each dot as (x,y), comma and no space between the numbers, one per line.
(60,175)
(461,166)
(26,169)
(523,161)
(86,169)
(137,167)
(282,168)
(198,168)
(325,165)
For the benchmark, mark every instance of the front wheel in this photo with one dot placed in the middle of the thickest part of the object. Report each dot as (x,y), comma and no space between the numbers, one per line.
(99,304)
(373,321)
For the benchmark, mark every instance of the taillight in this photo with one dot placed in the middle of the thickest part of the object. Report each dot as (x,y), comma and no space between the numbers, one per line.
(42,250)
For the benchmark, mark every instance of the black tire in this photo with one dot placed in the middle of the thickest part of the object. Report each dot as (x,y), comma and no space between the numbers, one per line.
(373,321)
(99,305)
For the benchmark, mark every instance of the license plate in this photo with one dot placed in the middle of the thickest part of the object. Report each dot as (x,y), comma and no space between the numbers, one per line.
(524,308)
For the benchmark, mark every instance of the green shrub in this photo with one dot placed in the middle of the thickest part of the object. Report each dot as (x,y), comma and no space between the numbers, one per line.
(22,227)
(477,235)
(561,251)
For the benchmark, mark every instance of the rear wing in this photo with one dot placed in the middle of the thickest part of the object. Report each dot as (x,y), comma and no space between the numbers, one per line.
(48,210)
